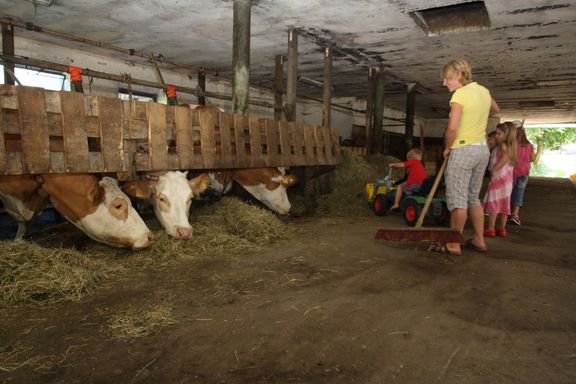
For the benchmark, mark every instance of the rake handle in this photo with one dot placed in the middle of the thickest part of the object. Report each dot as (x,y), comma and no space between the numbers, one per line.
(431,194)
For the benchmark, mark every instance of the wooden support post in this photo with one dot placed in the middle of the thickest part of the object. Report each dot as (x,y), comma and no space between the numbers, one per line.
(201,88)
(409,125)
(327,91)
(292,78)
(278,87)
(8,49)
(378,110)
(241,56)
(369,131)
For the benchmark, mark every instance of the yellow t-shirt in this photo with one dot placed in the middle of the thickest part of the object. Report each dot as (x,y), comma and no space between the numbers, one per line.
(475,101)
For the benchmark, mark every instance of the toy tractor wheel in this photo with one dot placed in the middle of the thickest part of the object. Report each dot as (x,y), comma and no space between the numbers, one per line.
(444,216)
(381,205)
(412,212)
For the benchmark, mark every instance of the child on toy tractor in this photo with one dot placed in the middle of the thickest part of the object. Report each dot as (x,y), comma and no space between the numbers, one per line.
(416,176)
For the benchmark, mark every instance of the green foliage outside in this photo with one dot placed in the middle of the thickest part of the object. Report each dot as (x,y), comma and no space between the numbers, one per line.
(551,138)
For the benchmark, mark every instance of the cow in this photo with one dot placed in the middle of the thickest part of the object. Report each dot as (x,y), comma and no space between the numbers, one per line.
(97,207)
(171,195)
(268,185)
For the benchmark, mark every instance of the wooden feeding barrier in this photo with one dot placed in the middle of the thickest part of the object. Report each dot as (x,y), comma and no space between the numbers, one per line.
(57,132)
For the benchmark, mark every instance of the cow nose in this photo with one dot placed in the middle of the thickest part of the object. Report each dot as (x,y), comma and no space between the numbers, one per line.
(184,233)
(150,238)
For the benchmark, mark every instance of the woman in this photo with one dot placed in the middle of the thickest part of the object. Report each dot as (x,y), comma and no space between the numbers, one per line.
(467,152)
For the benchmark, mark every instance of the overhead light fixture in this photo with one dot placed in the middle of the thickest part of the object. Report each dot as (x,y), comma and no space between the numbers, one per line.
(45,3)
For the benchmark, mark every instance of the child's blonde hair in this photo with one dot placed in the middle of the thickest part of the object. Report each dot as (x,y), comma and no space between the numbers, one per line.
(414,154)
(509,129)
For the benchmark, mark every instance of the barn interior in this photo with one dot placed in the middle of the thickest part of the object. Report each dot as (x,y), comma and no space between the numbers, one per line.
(315,299)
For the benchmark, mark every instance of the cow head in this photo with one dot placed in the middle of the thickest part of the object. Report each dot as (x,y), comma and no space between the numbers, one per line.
(171,195)
(267,185)
(98,208)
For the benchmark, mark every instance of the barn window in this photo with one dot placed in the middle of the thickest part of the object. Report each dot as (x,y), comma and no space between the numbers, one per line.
(123,94)
(471,16)
(53,81)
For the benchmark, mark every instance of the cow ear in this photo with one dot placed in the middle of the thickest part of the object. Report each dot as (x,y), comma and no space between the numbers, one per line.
(199,184)
(289,180)
(96,195)
(138,189)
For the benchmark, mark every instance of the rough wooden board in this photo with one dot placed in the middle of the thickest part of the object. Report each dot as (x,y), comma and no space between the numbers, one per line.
(74,129)
(34,130)
(299,144)
(225,140)
(284,141)
(8,97)
(157,136)
(184,137)
(320,145)
(328,145)
(255,142)
(207,139)
(309,144)
(272,142)
(110,115)
(240,123)
(2,143)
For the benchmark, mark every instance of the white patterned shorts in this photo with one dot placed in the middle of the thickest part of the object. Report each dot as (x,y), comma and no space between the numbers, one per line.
(464,175)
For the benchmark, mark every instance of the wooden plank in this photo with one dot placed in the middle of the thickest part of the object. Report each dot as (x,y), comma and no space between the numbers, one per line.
(8,97)
(2,143)
(240,124)
(327,136)
(34,130)
(207,139)
(255,142)
(111,137)
(11,121)
(184,137)
(309,144)
(157,136)
(272,135)
(320,149)
(53,102)
(74,130)
(14,163)
(299,143)
(57,162)
(227,161)
(54,121)
(285,154)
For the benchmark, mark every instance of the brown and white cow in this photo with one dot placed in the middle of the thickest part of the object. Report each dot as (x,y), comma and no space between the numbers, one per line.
(268,185)
(171,195)
(97,207)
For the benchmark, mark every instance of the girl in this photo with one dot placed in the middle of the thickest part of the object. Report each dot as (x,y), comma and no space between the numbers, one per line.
(521,172)
(497,198)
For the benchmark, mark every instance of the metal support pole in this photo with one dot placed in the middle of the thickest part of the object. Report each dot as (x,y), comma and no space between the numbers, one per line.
(378,110)
(410,106)
(292,78)
(201,88)
(327,94)
(241,56)
(278,87)
(8,49)
(369,131)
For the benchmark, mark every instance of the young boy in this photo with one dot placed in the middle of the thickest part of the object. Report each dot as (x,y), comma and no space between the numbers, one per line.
(416,175)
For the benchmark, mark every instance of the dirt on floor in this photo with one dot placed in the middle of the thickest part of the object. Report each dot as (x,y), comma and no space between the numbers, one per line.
(332,306)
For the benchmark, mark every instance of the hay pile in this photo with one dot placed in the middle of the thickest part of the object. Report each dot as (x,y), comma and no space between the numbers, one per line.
(31,273)
(348,197)
(138,322)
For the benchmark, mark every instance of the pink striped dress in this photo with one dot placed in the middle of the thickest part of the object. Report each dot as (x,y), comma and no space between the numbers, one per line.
(497,197)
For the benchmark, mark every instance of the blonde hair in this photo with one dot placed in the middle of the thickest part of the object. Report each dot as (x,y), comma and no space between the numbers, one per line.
(414,154)
(510,141)
(458,66)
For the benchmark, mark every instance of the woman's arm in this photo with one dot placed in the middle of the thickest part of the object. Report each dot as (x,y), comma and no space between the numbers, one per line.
(494,108)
